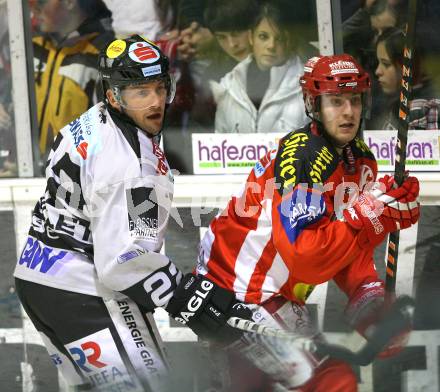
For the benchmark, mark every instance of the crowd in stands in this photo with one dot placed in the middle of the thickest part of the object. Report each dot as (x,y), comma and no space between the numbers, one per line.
(237,64)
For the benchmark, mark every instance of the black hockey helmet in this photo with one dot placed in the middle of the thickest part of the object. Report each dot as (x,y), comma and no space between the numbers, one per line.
(131,61)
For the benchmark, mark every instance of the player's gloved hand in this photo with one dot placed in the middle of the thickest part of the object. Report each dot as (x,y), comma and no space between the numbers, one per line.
(288,363)
(396,345)
(205,308)
(382,211)
(366,308)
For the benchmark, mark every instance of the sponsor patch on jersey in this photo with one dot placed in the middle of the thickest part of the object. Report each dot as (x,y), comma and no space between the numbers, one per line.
(143,52)
(143,213)
(288,163)
(304,208)
(261,166)
(100,362)
(132,254)
(302,291)
(82,130)
(79,141)
(152,70)
(38,257)
(116,48)
(322,164)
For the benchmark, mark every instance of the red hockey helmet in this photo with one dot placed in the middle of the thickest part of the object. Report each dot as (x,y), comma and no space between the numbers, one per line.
(336,74)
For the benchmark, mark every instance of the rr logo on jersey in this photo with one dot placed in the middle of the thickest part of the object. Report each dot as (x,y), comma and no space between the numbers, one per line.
(88,353)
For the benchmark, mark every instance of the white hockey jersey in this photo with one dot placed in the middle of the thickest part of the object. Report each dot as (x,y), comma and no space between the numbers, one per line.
(100,225)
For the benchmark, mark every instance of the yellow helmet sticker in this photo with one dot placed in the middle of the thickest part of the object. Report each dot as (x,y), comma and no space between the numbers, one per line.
(302,291)
(116,48)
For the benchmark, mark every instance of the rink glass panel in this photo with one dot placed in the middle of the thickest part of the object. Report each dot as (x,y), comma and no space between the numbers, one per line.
(8,156)
(359,32)
(194,109)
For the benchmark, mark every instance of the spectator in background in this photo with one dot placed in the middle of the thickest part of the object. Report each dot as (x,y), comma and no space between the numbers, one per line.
(361,30)
(195,37)
(65,60)
(230,21)
(213,40)
(8,165)
(262,93)
(424,108)
(151,18)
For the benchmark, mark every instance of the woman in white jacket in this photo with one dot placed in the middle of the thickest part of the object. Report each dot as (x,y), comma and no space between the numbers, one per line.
(262,93)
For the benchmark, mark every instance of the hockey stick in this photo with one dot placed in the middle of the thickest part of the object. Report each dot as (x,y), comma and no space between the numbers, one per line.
(402,138)
(397,320)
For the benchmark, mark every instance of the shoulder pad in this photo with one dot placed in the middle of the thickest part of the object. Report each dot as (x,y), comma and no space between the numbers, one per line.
(360,149)
(303,158)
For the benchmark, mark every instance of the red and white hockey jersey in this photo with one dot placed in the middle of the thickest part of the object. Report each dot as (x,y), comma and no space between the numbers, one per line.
(280,235)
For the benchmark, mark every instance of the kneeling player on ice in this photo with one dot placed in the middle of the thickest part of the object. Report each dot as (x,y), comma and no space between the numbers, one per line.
(310,212)
(91,272)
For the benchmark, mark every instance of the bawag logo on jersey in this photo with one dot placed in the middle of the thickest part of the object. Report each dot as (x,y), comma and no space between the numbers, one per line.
(143,213)
(304,208)
(44,259)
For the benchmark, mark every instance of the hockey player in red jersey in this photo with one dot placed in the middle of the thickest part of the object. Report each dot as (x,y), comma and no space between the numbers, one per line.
(310,212)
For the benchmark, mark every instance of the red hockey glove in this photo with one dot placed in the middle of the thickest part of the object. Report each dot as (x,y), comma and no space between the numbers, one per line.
(379,212)
(366,308)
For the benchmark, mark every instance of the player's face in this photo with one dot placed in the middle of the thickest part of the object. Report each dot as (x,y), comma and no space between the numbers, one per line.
(269,46)
(388,74)
(234,43)
(145,105)
(341,116)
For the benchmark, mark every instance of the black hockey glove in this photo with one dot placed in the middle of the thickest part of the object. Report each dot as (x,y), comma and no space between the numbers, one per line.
(205,308)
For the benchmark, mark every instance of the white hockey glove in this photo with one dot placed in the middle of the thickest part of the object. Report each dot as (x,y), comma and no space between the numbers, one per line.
(288,363)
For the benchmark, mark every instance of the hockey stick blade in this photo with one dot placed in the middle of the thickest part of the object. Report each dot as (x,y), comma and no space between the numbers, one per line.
(397,320)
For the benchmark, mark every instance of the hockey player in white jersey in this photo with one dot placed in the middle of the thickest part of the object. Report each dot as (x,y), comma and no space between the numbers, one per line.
(90,273)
